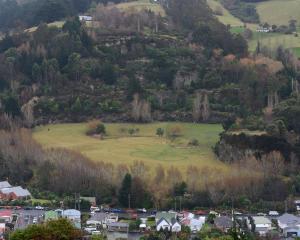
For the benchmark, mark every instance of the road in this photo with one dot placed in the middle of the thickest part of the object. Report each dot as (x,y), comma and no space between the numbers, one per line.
(26,217)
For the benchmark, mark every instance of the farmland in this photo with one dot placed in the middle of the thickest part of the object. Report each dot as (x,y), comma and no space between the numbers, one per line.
(279,12)
(141,5)
(118,147)
(226,18)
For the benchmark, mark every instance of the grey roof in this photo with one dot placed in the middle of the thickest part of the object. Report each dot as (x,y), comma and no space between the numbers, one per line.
(261,220)
(4,184)
(223,222)
(99,216)
(288,219)
(18,191)
(71,213)
(118,224)
(173,221)
(166,215)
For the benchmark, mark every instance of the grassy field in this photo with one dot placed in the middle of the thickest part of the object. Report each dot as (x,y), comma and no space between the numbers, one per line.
(273,40)
(140,5)
(279,12)
(226,18)
(58,24)
(118,147)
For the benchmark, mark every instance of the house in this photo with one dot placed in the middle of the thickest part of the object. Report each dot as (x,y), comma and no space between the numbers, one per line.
(262,225)
(99,218)
(166,215)
(6,216)
(118,227)
(85,18)
(224,223)
(195,223)
(4,184)
(162,225)
(51,215)
(175,226)
(74,216)
(288,220)
(291,232)
(14,193)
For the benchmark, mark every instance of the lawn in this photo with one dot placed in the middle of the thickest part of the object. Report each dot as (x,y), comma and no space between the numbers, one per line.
(279,12)
(140,5)
(118,147)
(226,18)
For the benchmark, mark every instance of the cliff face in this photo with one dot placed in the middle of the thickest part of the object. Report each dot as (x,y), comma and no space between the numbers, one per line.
(235,147)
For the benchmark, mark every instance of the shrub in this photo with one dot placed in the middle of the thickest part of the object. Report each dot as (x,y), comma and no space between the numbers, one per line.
(96,127)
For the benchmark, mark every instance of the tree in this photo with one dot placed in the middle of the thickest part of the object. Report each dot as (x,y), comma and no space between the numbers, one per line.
(160,132)
(108,74)
(100,129)
(125,191)
(173,132)
(61,229)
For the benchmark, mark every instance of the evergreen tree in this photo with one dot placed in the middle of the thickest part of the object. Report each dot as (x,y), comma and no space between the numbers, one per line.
(125,190)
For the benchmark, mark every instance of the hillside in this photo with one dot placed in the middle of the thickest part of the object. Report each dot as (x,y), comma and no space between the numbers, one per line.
(224,15)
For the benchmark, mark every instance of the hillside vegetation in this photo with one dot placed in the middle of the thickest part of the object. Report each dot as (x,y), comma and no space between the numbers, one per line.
(224,15)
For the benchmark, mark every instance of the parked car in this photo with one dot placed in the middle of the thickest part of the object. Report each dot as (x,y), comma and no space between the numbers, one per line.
(39,208)
(141,210)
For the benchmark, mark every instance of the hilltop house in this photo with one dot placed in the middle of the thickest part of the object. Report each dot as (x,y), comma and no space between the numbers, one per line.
(85,18)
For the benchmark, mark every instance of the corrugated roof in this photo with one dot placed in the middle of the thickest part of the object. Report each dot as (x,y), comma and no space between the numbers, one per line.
(261,220)
(4,184)
(71,213)
(18,191)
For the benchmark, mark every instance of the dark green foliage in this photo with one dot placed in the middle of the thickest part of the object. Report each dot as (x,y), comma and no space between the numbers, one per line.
(60,229)
(180,189)
(289,112)
(242,9)
(160,132)
(125,190)
(100,129)
(11,106)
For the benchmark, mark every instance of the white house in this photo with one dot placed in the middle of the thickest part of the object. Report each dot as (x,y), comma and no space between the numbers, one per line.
(163,224)
(85,18)
(175,226)
(196,224)
(262,225)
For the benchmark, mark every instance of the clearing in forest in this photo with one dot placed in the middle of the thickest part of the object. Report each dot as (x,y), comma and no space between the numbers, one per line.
(119,147)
